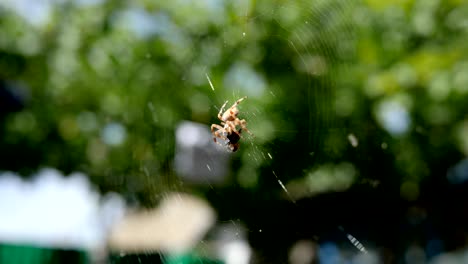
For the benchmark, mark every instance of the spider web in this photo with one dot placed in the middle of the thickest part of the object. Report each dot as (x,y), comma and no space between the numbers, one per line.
(289,57)
(321,45)
(319,114)
(287,49)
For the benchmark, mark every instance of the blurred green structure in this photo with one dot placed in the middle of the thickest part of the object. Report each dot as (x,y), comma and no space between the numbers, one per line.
(16,254)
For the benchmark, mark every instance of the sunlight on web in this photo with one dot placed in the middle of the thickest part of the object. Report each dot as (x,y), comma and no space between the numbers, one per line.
(284,187)
(312,44)
(209,81)
(319,47)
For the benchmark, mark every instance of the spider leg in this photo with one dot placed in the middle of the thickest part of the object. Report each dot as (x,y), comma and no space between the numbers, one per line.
(215,126)
(238,101)
(231,126)
(243,125)
(216,134)
(221,110)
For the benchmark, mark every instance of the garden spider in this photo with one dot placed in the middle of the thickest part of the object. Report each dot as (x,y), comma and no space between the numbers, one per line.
(228,129)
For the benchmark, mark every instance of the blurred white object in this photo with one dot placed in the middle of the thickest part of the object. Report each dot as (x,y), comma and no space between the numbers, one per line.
(459,256)
(394,117)
(236,252)
(114,134)
(176,226)
(198,159)
(303,252)
(230,243)
(55,211)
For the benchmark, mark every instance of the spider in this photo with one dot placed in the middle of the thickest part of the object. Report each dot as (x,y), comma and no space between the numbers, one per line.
(228,128)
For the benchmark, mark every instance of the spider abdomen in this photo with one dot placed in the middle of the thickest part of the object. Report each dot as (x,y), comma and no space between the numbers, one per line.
(234,137)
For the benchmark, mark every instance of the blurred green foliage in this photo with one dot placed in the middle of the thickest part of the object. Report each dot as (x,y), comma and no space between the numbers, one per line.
(315,73)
